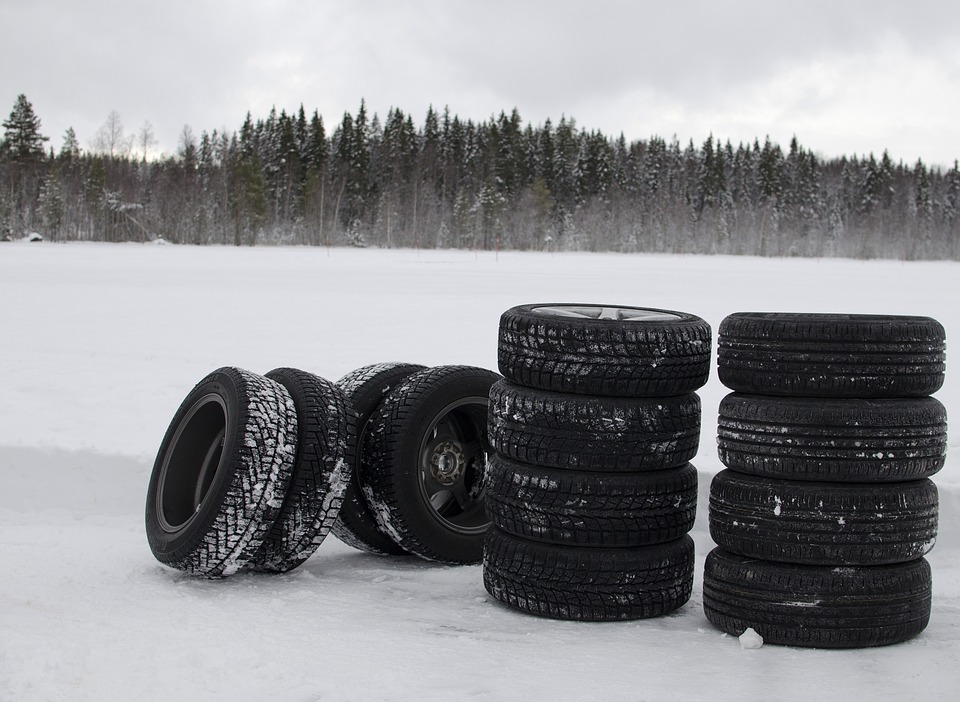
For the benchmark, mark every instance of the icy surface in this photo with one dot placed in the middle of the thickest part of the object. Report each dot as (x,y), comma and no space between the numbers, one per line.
(100,345)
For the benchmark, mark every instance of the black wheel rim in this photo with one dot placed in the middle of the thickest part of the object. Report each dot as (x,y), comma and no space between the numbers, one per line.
(452,465)
(191,463)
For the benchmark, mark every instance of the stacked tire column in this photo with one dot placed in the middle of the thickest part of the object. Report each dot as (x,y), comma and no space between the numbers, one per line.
(589,486)
(826,508)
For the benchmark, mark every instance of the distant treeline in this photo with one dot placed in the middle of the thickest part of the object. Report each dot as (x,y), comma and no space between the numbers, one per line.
(450,182)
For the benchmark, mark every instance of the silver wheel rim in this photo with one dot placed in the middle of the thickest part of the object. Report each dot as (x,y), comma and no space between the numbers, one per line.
(607,313)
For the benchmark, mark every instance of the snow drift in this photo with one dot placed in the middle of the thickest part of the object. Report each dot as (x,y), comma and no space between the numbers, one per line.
(101,343)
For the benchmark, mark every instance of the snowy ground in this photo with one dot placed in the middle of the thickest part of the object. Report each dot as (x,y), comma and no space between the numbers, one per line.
(99,345)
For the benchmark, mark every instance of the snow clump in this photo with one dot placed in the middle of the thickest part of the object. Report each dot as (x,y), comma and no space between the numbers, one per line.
(750,639)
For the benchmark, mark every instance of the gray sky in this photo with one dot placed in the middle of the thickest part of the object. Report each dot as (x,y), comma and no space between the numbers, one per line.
(847,77)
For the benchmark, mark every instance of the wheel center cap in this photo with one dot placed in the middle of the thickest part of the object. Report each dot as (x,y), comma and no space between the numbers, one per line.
(447,462)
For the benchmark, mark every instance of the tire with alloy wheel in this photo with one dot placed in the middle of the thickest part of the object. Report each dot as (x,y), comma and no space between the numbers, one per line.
(602,350)
(583,432)
(588,583)
(221,473)
(365,389)
(425,456)
(590,508)
(321,471)
(816,606)
(831,355)
(823,523)
(833,440)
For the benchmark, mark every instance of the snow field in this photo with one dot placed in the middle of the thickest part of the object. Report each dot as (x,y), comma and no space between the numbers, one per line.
(101,343)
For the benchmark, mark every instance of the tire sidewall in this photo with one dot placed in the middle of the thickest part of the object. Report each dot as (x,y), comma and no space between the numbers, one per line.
(421,519)
(172,545)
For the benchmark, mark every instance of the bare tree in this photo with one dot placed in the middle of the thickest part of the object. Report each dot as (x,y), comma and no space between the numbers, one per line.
(146,139)
(110,139)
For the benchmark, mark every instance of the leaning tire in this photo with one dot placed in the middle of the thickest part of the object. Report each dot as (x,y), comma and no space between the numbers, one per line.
(321,471)
(817,606)
(594,350)
(831,355)
(221,473)
(583,432)
(425,454)
(588,584)
(580,508)
(846,440)
(823,523)
(364,389)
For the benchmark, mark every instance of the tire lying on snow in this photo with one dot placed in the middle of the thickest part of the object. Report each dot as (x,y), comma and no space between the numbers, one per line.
(831,355)
(322,469)
(425,456)
(823,523)
(581,508)
(221,473)
(562,430)
(613,351)
(365,389)
(588,583)
(833,440)
(816,606)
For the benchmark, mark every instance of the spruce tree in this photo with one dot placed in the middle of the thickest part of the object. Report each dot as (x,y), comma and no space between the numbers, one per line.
(22,138)
(71,147)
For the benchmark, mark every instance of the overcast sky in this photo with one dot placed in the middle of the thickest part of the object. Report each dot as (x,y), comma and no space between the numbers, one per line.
(846,77)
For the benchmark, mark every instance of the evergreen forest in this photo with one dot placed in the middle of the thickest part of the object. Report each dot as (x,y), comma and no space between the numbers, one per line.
(446,182)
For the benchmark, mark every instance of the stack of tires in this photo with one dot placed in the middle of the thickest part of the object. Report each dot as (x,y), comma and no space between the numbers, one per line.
(254,471)
(826,509)
(589,486)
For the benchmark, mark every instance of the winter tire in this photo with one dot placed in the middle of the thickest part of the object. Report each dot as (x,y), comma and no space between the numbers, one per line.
(221,473)
(581,508)
(831,355)
(364,389)
(320,475)
(597,350)
(823,523)
(816,606)
(425,457)
(588,584)
(561,430)
(846,440)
